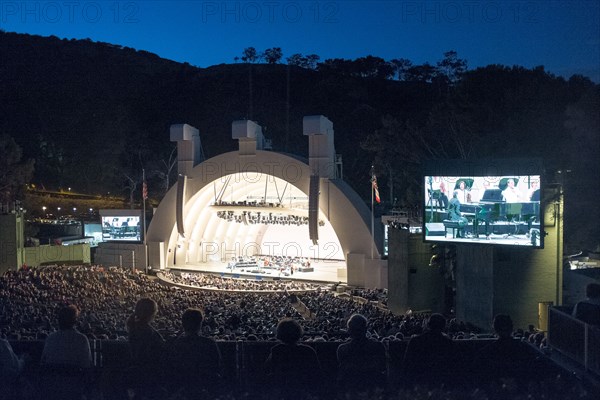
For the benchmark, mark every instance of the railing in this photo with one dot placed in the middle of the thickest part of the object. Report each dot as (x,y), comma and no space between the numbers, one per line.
(574,338)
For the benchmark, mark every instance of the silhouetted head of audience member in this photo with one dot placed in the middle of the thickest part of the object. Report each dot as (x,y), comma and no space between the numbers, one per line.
(436,322)
(145,310)
(144,313)
(503,325)
(67,317)
(357,326)
(592,291)
(191,320)
(289,331)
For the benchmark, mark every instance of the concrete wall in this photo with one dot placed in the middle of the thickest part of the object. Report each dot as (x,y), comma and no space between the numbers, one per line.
(510,280)
(47,254)
(13,253)
(474,284)
(398,270)
(489,279)
(128,255)
(365,272)
(11,242)
(425,283)
(412,283)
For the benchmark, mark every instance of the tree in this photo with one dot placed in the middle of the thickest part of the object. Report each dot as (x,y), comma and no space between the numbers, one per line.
(51,161)
(249,55)
(131,185)
(363,67)
(312,60)
(295,59)
(373,67)
(339,65)
(421,73)
(309,62)
(393,155)
(167,165)
(452,67)
(14,173)
(402,65)
(273,55)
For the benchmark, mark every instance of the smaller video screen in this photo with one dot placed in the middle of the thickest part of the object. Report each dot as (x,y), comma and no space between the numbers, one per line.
(121,225)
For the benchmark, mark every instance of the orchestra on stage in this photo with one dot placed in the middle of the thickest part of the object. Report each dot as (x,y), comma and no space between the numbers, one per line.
(279,265)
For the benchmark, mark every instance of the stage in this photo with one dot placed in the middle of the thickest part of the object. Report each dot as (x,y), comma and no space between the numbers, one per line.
(319,271)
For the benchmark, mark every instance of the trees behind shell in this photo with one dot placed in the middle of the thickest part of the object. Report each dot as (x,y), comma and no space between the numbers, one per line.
(14,173)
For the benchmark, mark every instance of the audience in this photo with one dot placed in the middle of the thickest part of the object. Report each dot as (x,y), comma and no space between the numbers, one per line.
(588,310)
(147,350)
(11,367)
(105,295)
(196,360)
(506,359)
(66,359)
(208,281)
(10,364)
(430,356)
(293,368)
(362,361)
(67,347)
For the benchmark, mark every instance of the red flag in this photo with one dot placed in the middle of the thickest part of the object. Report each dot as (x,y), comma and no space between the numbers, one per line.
(144,191)
(375,188)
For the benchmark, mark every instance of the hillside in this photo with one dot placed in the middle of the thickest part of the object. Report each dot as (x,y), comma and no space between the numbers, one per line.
(92,115)
(83,109)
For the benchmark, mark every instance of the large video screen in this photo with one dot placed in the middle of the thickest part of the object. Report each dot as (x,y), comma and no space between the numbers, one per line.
(501,210)
(121,225)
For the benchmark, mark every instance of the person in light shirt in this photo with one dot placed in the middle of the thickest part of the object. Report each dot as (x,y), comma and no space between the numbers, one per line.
(534,192)
(478,190)
(463,193)
(511,194)
(67,346)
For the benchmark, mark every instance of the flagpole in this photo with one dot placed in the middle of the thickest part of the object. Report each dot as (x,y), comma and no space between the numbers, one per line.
(144,220)
(372,213)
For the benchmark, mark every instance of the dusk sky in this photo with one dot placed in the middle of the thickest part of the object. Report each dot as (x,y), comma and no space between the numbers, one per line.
(563,36)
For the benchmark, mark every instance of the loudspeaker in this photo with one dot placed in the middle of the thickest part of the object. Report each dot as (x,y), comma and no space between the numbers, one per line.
(313,208)
(181,183)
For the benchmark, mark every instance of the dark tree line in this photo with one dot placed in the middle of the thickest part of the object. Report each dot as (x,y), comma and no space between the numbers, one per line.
(15,172)
(449,69)
(96,115)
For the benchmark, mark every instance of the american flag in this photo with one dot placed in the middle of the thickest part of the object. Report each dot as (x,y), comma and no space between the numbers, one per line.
(144,191)
(375,188)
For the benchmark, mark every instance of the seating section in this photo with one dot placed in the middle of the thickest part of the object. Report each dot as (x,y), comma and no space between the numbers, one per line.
(242,366)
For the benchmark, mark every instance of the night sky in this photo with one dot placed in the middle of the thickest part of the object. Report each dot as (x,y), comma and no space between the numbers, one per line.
(563,36)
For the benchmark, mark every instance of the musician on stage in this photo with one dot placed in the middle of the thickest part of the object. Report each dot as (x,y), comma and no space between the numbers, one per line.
(436,192)
(511,194)
(534,191)
(454,214)
(463,192)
